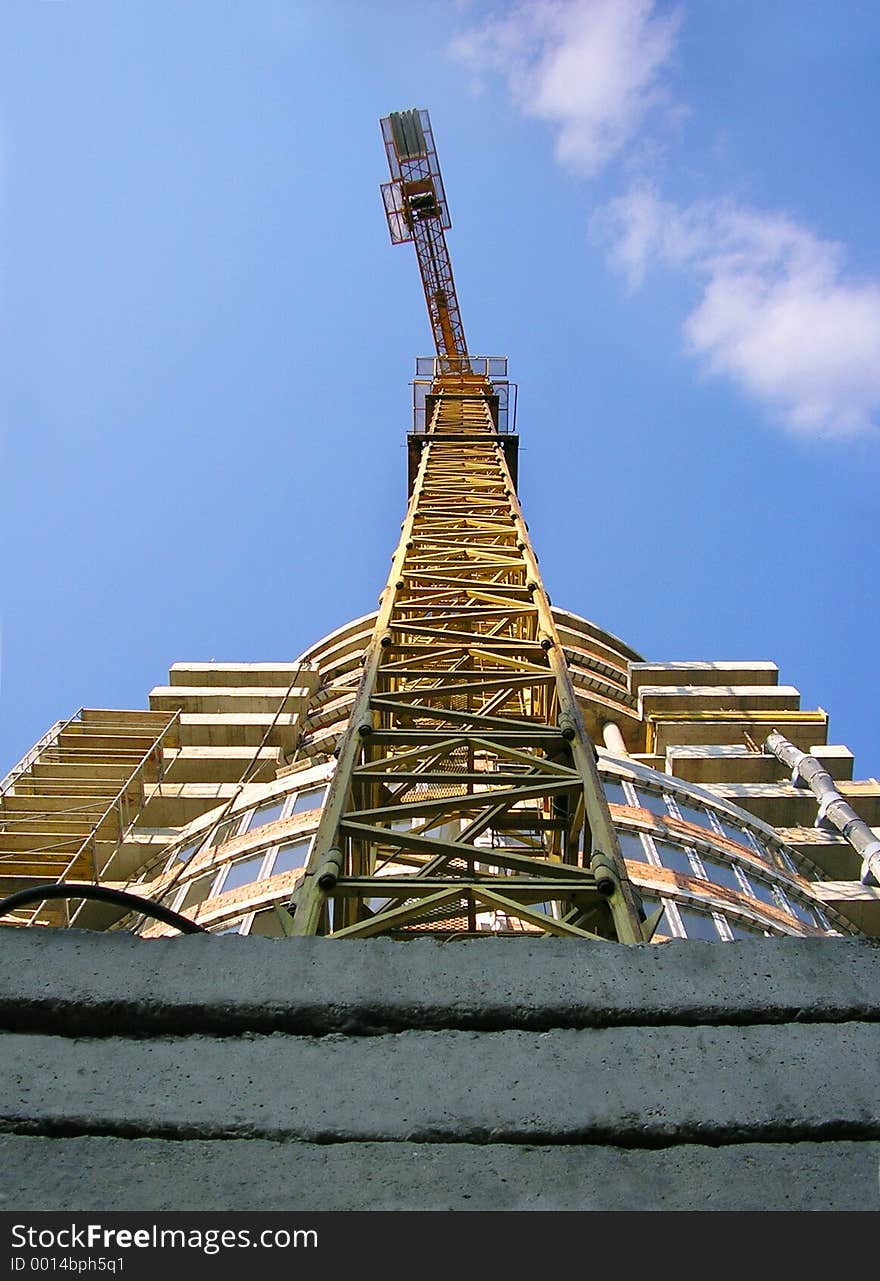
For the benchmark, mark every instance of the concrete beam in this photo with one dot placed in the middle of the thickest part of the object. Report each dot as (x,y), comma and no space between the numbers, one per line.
(734,763)
(784,805)
(627,1086)
(75,982)
(38,1174)
(209,699)
(702,673)
(801,728)
(228,675)
(858,903)
(828,850)
(243,730)
(661,699)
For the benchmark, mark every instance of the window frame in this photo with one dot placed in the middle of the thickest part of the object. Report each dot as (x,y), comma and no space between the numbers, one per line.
(274,850)
(219,886)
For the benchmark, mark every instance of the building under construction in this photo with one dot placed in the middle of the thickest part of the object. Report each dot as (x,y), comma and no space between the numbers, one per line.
(468,763)
(469,760)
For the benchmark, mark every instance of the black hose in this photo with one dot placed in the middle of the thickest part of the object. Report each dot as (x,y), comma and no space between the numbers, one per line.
(103,894)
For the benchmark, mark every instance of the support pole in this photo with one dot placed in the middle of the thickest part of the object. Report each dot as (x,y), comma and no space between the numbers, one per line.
(832,805)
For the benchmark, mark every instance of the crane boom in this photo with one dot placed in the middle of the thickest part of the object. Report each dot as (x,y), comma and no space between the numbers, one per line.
(416,209)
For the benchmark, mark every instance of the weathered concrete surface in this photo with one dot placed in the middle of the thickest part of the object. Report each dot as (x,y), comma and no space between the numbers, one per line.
(640,1086)
(118,1174)
(225,1073)
(94,984)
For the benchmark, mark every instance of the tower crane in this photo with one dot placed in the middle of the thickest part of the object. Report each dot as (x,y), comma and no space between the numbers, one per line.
(416,209)
(465,797)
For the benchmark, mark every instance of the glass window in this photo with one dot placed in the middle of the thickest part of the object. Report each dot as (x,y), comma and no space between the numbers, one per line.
(266,814)
(242,873)
(615,793)
(185,853)
(267,925)
(652,801)
(763,891)
(801,911)
(197,891)
(235,928)
(722,874)
(631,845)
(308,800)
(228,828)
(698,925)
(786,860)
(675,858)
(742,930)
(750,839)
(733,832)
(290,856)
(691,814)
(650,904)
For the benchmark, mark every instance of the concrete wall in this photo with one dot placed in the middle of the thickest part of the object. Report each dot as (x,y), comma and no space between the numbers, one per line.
(223,1073)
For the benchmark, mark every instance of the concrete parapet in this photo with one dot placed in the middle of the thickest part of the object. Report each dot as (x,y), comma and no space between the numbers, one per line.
(79,983)
(497,1074)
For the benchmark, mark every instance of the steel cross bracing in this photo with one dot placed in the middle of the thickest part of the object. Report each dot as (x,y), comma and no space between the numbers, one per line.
(435,267)
(466,798)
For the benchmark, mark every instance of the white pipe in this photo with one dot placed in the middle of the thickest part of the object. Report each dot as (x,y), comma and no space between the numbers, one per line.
(613,739)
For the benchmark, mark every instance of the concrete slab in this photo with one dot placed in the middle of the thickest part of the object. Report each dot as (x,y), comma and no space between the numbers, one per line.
(638,1087)
(98,984)
(700,672)
(85,1174)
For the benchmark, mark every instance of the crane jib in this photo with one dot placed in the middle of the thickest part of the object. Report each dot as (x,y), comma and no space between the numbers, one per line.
(416,209)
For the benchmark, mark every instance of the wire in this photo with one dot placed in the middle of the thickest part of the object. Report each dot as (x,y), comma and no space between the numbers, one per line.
(103,894)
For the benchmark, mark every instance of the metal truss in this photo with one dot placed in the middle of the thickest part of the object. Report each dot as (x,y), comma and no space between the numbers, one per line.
(466,799)
(416,209)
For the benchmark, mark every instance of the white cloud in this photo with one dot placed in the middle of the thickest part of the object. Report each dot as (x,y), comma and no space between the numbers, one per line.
(776,314)
(591,67)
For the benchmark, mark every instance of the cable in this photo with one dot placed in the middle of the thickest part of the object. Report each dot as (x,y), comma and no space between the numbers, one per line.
(103,894)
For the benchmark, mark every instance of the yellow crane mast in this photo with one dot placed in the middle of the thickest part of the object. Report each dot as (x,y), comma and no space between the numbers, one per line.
(466,799)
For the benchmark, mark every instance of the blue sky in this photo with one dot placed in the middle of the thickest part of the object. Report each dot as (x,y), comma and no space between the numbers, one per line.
(665,215)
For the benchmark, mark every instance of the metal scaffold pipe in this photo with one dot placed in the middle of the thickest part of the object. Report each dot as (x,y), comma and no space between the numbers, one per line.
(832,806)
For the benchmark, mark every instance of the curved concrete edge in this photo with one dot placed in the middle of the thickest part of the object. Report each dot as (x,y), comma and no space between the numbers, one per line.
(88,1174)
(73,982)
